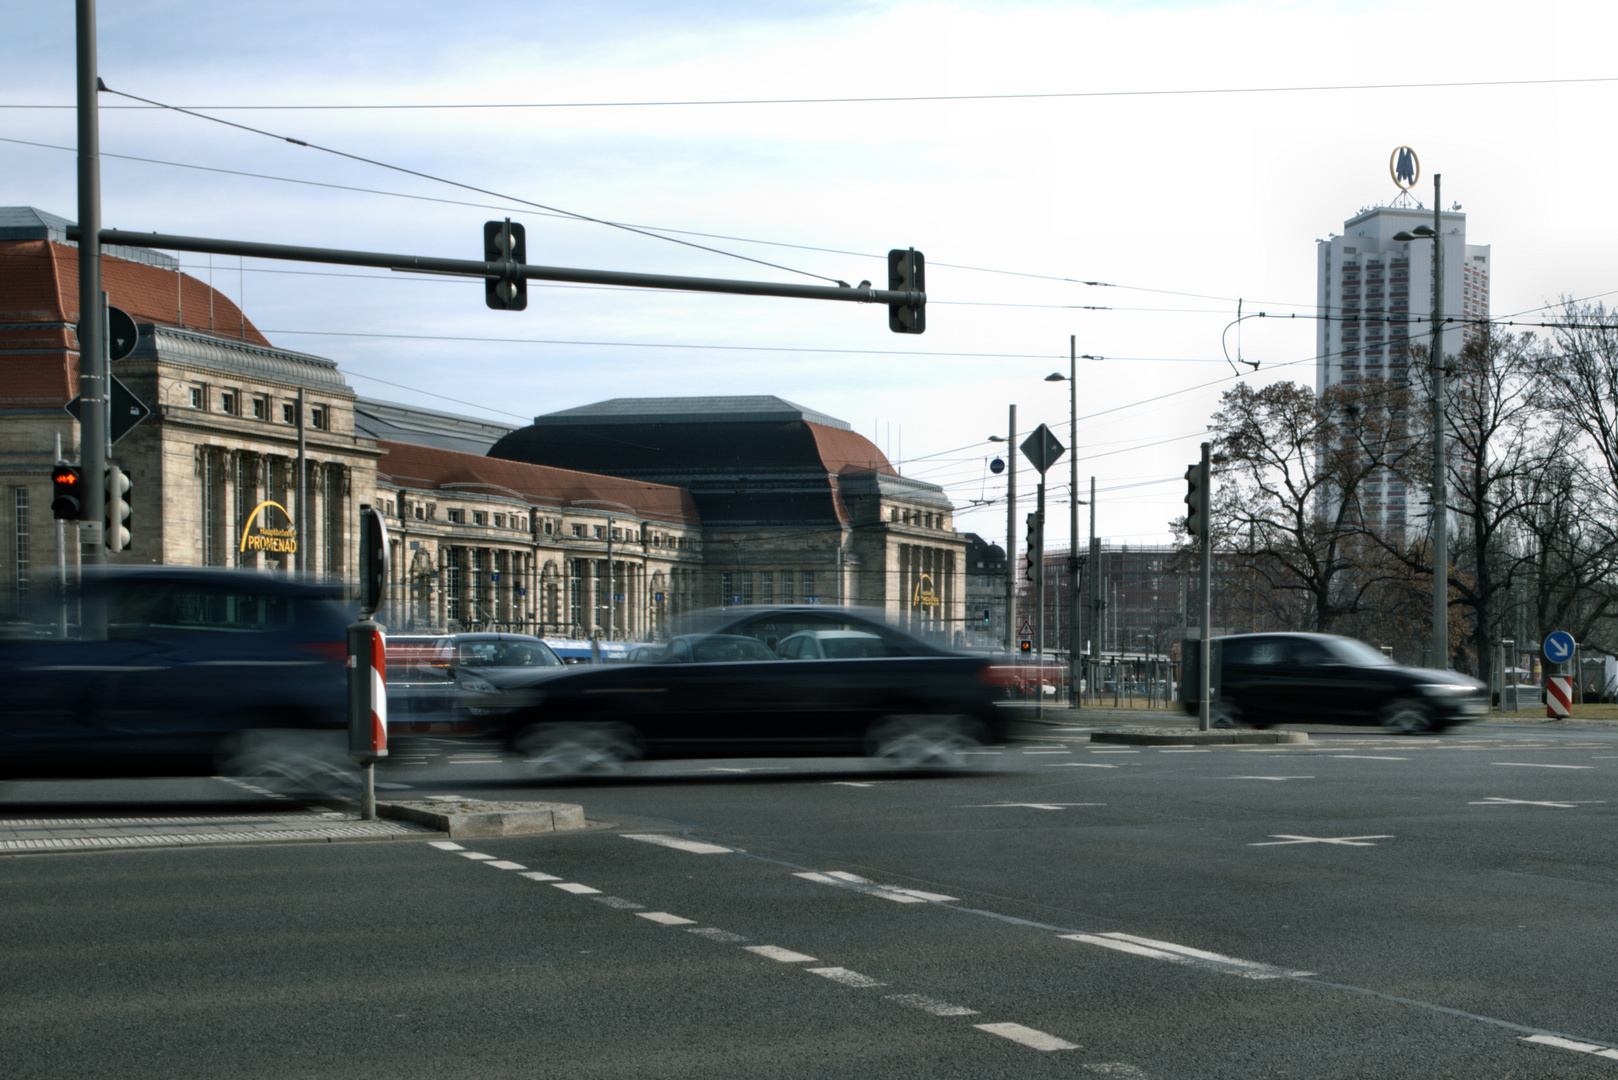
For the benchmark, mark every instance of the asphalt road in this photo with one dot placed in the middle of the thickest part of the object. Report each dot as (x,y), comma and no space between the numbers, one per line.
(1361,906)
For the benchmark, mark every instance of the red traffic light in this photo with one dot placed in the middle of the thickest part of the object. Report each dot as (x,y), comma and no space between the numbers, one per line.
(67,482)
(65,474)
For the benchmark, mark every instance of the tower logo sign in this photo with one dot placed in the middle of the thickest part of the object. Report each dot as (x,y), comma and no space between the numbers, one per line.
(1405,167)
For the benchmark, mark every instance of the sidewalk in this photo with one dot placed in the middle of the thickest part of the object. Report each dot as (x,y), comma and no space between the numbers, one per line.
(24,835)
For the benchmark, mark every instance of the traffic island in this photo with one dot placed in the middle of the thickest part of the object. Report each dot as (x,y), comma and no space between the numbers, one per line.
(458,817)
(1157,736)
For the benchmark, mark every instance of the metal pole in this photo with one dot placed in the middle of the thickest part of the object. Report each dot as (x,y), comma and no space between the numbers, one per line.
(1037,557)
(1205,653)
(1440,507)
(1073,621)
(300,525)
(611,584)
(1090,589)
(92,347)
(1011,534)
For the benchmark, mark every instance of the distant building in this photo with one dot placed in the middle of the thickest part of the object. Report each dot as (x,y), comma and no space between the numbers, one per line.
(985,593)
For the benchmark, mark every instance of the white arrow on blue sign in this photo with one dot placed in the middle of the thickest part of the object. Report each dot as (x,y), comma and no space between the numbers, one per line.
(1559,647)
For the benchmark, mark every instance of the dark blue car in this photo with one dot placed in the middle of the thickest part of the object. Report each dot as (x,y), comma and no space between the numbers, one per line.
(198,672)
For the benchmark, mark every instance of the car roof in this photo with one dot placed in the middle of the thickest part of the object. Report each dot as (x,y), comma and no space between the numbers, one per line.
(835,634)
(220,576)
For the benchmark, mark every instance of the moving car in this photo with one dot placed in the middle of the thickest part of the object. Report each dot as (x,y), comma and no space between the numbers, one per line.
(726,689)
(199,672)
(452,684)
(1267,679)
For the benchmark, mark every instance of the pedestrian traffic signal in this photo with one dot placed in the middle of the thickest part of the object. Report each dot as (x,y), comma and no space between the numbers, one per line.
(907,274)
(1196,501)
(504,242)
(985,616)
(1034,548)
(1027,646)
(67,482)
(117,509)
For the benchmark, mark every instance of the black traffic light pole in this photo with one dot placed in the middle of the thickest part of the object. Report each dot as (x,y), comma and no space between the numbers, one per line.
(906,305)
(92,322)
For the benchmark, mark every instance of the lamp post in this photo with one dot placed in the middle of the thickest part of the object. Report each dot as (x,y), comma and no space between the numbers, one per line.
(1074,502)
(1440,500)
(1011,530)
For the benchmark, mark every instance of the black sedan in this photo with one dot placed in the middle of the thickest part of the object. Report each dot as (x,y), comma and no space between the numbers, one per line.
(1266,679)
(727,691)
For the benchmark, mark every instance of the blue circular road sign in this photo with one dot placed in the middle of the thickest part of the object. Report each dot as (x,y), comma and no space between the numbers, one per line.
(1559,647)
(997,466)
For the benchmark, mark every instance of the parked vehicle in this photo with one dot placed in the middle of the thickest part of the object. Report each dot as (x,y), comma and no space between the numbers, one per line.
(1267,679)
(455,684)
(199,672)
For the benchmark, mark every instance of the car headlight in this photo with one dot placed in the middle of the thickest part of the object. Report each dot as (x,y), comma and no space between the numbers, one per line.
(479,686)
(1446,688)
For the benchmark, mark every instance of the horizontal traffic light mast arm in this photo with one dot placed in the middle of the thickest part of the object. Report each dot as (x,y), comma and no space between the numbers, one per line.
(474,268)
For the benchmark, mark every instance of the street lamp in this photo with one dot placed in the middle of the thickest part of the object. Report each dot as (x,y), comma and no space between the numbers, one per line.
(1072,380)
(1440,500)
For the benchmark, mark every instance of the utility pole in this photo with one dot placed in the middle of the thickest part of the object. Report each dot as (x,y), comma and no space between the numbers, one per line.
(1073,522)
(1205,653)
(1090,586)
(1440,486)
(1011,534)
(92,321)
(299,525)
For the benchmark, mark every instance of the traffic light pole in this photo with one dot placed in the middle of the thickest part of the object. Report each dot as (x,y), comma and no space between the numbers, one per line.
(92,320)
(474,268)
(1205,545)
(1037,557)
(1011,535)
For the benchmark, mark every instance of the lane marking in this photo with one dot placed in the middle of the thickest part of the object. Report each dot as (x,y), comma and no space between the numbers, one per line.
(1047,751)
(1495,800)
(1188,751)
(1539,765)
(1030,1037)
(663,918)
(1093,751)
(478,855)
(1369,757)
(1079,765)
(445,845)
(713,933)
(1347,841)
(785,956)
(1569,1044)
(855,879)
(695,847)
(506,864)
(1043,747)
(758,768)
(573,887)
(846,880)
(1269,778)
(931,1005)
(616,902)
(846,977)
(1153,949)
(535,875)
(851,783)
(1029,805)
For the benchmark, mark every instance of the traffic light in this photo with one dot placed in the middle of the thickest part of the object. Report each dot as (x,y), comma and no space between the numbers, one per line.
(117,509)
(68,482)
(907,273)
(1027,646)
(1034,548)
(503,242)
(985,616)
(1196,501)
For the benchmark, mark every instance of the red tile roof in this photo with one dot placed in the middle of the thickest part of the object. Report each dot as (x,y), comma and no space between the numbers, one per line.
(542,485)
(39,283)
(848,452)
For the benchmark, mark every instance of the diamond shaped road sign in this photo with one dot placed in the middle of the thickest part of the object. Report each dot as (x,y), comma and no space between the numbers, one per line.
(127,409)
(1042,448)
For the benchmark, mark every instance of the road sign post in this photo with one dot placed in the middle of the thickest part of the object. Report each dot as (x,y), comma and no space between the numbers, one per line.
(367,662)
(1041,448)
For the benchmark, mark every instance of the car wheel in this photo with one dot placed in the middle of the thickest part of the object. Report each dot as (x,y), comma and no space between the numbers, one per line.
(564,751)
(923,742)
(1407,717)
(300,764)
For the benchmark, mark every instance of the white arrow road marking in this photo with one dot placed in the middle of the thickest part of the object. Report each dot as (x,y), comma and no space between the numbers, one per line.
(1181,954)
(1569,1044)
(695,847)
(1346,841)
(1028,1036)
(1495,800)
(1269,778)
(1029,805)
(1539,765)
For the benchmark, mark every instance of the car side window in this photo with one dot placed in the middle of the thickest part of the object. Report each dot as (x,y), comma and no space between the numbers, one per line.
(1310,653)
(1252,652)
(160,610)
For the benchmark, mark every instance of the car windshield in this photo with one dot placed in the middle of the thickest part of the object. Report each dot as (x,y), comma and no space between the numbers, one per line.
(506,654)
(1358,653)
(851,645)
(728,649)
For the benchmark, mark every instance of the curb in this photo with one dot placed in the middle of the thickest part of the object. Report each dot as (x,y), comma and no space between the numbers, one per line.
(458,817)
(1194,737)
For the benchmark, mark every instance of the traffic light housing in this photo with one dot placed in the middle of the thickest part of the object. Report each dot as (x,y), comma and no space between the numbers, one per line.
(907,273)
(1034,547)
(1196,501)
(117,517)
(985,616)
(504,242)
(67,482)
(1026,647)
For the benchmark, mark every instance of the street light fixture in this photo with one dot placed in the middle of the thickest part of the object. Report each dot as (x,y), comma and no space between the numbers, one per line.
(1440,500)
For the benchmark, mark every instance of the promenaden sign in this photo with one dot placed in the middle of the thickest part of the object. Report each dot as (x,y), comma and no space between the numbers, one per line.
(258,536)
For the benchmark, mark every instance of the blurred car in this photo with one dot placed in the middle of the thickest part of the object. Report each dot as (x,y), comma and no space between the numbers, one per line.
(1323,678)
(725,690)
(453,684)
(199,672)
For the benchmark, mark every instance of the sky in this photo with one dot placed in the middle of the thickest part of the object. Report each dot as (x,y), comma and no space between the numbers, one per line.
(1193,157)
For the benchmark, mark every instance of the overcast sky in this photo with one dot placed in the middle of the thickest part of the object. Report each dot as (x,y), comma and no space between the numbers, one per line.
(1181,202)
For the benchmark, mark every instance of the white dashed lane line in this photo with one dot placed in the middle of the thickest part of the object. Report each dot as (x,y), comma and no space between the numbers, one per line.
(785,956)
(1539,765)
(844,879)
(573,887)
(506,864)
(1571,1044)
(1183,954)
(663,918)
(931,1006)
(695,847)
(1028,1036)
(846,977)
(475,855)
(1368,757)
(535,875)
(1079,765)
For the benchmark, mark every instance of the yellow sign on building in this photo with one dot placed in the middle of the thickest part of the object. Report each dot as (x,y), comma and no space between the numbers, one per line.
(924,595)
(258,536)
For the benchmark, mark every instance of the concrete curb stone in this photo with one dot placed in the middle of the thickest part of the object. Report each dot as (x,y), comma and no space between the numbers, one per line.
(1193,737)
(458,817)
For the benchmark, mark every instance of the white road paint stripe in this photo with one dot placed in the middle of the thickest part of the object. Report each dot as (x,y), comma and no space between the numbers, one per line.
(1043,747)
(846,977)
(506,864)
(1282,839)
(827,879)
(1181,954)
(855,879)
(849,783)
(1570,1044)
(663,918)
(616,902)
(1269,778)
(1495,800)
(1122,946)
(1188,751)
(535,875)
(1079,765)
(695,847)
(1047,751)
(785,956)
(1029,805)
(475,855)
(1539,765)
(1369,757)
(931,1005)
(445,845)
(1093,751)
(713,933)
(574,887)
(1269,970)
(1030,1037)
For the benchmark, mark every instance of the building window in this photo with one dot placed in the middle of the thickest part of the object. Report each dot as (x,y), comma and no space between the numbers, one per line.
(726,583)
(261,408)
(809,585)
(579,530)
(456,517)
(421,512)
(499,521)
(601,532)
(766,587)
(319,418)
(786,587)
(289,413)
(479,517)
(227,402)
(747,588)
(547,526)
(19,509)
(199,397)
(336,521)
(575,591)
